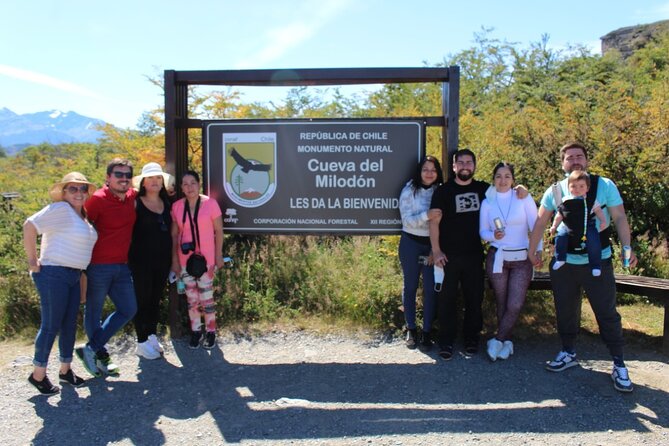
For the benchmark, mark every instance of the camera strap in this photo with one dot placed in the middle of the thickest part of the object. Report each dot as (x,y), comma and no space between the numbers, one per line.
(194,230)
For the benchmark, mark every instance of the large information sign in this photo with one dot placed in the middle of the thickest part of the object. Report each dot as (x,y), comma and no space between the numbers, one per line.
(340,177)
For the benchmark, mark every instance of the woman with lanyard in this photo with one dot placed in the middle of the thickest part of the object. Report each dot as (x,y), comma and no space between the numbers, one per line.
(197,231)
(65,251)
(505,222)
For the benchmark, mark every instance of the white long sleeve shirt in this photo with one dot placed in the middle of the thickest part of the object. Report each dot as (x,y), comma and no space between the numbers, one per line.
(518,217)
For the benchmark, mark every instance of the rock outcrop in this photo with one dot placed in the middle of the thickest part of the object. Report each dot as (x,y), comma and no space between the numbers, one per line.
(631,38)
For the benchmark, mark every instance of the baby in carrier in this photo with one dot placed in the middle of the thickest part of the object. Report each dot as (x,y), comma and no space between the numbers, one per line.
(578,231)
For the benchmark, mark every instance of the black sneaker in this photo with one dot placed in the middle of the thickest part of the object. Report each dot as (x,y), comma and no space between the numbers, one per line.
(425,342)
(410,341)
(195,339)
(71,379)
(45,387)
(209,340)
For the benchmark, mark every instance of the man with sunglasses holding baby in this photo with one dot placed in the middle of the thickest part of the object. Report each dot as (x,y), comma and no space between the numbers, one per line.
(111,209)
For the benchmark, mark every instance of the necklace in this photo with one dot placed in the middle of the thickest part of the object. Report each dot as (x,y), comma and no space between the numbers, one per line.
(585,223)
(508,211)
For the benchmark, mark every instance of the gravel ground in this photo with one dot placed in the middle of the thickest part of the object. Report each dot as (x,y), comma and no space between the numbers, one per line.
(311,389)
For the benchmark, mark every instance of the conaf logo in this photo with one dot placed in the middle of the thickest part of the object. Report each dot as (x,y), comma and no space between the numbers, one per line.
(231,214)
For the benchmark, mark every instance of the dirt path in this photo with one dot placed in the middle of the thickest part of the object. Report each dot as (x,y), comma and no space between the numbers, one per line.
(298,388)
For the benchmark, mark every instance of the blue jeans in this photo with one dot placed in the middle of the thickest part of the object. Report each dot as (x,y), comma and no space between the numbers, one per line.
(592,245)
(409,251)
(59,292)
(114,280)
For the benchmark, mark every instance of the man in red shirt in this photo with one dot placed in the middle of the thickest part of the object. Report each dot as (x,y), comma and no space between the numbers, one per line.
(111,210)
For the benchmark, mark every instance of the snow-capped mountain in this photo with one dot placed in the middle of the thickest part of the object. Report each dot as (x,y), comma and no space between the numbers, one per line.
(54,126)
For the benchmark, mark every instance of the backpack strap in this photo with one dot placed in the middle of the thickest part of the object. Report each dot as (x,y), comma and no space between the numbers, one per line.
(605,235)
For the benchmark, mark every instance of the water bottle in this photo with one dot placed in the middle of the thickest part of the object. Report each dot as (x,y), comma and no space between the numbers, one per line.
(181,286)
(627,255)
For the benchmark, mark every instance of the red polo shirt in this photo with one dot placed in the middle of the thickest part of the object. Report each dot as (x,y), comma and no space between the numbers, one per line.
(114,220)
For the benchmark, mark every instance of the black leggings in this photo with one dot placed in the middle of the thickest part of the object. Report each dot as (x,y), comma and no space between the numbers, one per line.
(149,288)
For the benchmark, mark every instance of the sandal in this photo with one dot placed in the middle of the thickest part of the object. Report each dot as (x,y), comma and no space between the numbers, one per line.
(446,353)
(70,378)
(471,348)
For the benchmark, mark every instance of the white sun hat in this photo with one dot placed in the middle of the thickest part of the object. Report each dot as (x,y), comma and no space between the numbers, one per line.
(151,170)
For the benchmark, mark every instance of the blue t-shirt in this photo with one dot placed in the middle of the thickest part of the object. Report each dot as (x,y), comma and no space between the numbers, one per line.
(607,196)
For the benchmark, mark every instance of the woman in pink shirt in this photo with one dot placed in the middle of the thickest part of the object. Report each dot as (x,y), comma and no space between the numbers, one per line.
(197,228)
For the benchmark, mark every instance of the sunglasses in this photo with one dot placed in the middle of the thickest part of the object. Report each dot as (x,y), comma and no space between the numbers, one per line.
(83,188)
(118,174)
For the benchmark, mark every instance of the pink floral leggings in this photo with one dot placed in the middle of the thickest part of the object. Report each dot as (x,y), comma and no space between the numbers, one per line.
(200,297)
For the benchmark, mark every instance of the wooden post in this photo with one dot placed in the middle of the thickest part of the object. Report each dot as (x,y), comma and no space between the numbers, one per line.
(451,110)
(176,162)
(665,332)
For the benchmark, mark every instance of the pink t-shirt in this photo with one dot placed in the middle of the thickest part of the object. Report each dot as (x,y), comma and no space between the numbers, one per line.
(209,211)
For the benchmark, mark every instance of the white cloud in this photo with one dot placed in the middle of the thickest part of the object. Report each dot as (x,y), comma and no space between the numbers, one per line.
(43,79)
(282,39)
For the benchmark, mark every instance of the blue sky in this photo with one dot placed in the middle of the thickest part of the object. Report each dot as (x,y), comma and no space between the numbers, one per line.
(94,58)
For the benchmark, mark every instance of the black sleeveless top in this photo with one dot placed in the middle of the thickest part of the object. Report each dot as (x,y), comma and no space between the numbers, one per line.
(151,246)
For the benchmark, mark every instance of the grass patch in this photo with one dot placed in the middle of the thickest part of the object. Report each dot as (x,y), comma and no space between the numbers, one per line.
(642,323)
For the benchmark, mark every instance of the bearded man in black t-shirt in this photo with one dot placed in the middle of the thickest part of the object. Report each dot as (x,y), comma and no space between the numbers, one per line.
(456,246)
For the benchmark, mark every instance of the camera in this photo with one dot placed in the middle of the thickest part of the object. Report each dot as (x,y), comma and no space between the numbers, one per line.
(187,247)
(424,260)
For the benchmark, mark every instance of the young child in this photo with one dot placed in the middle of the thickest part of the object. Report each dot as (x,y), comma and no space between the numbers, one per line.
(578,221)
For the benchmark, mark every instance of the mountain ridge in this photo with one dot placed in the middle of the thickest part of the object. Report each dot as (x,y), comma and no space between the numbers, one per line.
(18,131)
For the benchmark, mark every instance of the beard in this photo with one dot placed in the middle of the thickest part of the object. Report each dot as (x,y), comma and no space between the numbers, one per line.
(464,174)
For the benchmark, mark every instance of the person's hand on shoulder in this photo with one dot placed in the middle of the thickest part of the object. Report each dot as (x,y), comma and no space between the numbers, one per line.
(521,191)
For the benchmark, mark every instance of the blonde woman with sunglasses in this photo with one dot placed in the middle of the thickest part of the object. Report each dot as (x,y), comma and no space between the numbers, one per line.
(67,241)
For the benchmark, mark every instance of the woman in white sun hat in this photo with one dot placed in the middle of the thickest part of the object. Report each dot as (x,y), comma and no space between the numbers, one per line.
(150,255)
(65,251)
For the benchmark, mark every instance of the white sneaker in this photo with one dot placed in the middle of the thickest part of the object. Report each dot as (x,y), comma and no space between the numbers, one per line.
(494,347)
(145,350)
(506,351)
(157,346)
(621,379)
(562,361)
(558,264)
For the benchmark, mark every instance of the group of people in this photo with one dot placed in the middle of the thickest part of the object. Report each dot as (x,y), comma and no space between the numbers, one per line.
(444,225)
(123,242)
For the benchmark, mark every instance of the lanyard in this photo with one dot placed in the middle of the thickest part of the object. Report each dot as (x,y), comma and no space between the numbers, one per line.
(508,211)
(194,230)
